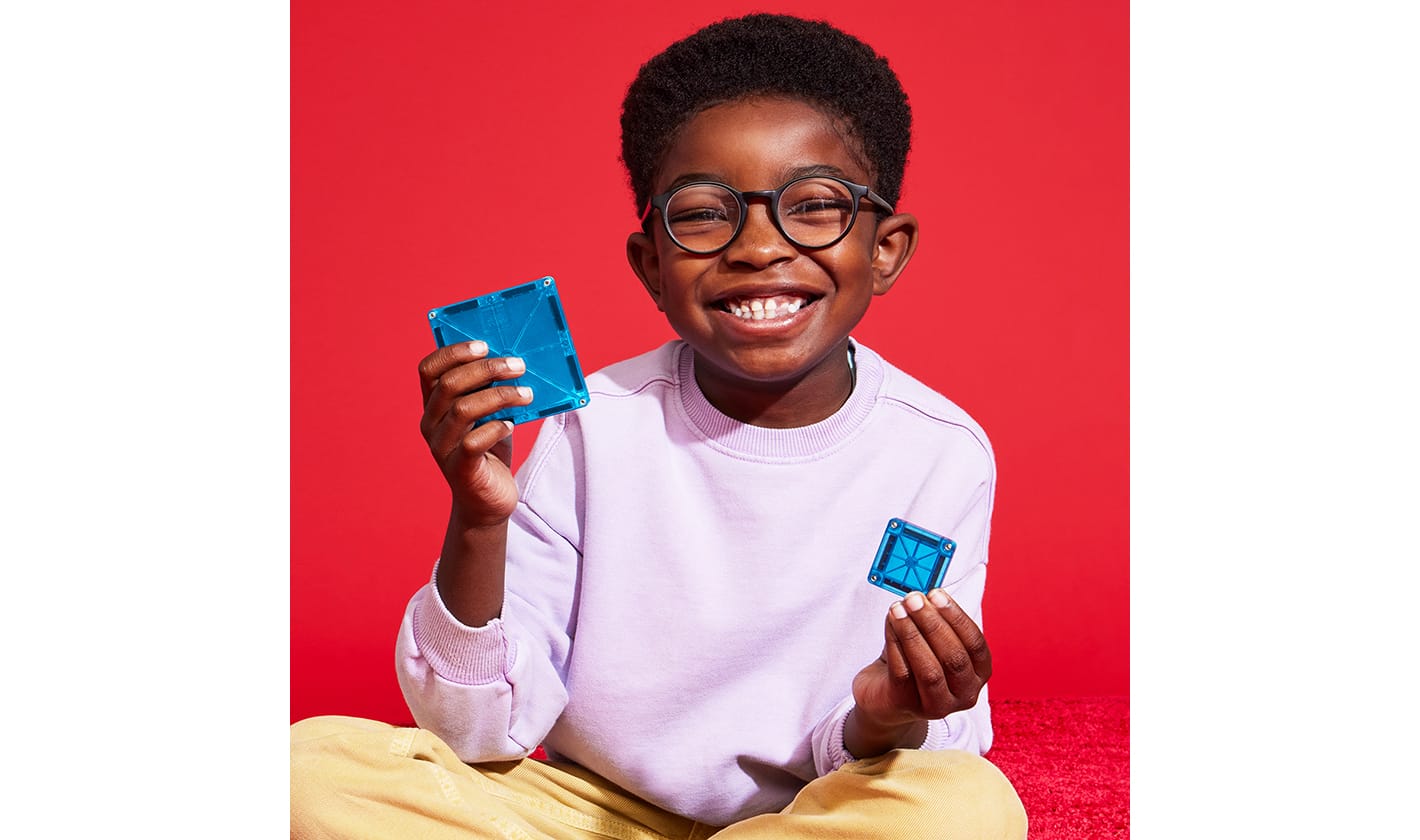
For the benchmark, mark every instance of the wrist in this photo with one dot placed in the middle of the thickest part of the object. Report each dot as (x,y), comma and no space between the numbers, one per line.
(865,738)
(470,573)
(475,524)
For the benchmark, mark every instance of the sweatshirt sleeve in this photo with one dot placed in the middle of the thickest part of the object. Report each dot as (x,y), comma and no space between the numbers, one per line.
(493,692)
(969,729)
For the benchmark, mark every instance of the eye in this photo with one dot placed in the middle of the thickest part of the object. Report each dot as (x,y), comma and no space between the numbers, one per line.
(700,206)
(828,205)
(698,215)
(815,201)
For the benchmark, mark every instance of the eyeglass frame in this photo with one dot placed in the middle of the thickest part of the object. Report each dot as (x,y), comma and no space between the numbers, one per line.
(857,191)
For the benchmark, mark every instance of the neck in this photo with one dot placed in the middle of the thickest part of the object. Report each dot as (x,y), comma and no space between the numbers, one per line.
(810,399)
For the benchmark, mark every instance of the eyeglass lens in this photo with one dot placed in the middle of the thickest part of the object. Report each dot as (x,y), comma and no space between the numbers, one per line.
(813,212)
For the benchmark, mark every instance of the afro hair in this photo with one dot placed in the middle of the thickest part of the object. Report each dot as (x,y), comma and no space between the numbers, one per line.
(767,55)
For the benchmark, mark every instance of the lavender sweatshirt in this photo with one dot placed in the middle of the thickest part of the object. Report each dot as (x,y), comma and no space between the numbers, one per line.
(687,598)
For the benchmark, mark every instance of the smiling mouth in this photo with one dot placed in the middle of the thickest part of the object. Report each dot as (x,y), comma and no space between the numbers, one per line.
(772,308)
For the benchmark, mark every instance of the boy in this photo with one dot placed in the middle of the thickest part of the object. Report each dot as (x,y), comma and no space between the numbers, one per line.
(670,597)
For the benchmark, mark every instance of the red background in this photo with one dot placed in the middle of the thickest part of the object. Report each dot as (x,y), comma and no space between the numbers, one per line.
(426,141)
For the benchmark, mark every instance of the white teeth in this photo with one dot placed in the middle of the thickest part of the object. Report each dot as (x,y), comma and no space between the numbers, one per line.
(765,309)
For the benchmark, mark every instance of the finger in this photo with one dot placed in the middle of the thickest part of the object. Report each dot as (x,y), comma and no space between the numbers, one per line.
(434,365)
(476,476)
(503,449)
(481,440)
(963,682)
(967,632)
(898,671)
(467,414)
(951,653)
(927,672)
(461,381)
(480,373)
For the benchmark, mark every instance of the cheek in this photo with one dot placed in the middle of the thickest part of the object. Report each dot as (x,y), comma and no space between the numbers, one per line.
(852,270)
(681,271)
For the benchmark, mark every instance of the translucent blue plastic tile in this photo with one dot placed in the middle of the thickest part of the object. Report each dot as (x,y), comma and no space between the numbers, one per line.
(524,321)
(910,558)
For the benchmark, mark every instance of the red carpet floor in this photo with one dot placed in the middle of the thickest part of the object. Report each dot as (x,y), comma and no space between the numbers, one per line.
(1069,761)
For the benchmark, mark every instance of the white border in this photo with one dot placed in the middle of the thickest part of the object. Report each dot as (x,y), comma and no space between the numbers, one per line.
(144,237)
(1273,385)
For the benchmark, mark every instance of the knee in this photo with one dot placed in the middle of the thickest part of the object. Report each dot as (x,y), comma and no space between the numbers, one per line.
(983,802)
(324,747)
(965,771)
(330,756)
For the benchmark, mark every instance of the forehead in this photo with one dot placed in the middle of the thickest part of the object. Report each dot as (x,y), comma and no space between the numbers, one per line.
(757,144)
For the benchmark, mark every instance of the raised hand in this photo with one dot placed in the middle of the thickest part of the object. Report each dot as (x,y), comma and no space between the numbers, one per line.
(473,455)
(934,662)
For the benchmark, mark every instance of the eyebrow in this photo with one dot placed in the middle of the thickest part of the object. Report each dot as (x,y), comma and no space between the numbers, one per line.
(796,172)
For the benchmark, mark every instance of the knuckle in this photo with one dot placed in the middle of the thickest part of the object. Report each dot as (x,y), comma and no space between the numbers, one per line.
(976,643)
(957,662)
(429,367)
(908,634)
(444,388)
(463,409)
(933,681)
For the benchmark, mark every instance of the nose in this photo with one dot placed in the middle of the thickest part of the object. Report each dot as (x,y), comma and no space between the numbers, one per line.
(760,242)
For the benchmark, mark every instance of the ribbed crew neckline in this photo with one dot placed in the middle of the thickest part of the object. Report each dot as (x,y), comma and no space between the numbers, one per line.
(762,443)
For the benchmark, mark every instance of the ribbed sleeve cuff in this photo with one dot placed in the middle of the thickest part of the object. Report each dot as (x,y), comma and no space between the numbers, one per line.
(939,735)
(835,754)
(459,653)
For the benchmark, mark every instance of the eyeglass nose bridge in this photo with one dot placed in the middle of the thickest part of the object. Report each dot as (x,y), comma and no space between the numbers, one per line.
(771,209)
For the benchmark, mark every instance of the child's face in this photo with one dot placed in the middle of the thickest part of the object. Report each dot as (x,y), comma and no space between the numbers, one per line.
(819,294)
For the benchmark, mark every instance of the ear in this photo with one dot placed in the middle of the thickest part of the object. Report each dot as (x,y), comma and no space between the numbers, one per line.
(646,262)
(895,243)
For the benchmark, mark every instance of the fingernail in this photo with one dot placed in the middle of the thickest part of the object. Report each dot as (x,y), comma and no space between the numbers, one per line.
(478,347)
(509,424)
(516,365)
(914,602)
(897,610)
(939,598)
(525,392)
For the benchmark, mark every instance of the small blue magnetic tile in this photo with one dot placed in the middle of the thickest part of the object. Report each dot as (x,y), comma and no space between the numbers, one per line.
(526,321)
(910,558)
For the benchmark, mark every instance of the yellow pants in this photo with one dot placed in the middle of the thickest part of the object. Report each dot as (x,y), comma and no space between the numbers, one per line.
(354,778)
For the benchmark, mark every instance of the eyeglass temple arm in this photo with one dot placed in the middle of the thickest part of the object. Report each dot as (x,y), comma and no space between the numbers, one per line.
(880,202)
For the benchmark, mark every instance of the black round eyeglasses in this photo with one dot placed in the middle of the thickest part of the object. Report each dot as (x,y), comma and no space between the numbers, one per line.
(815,211)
